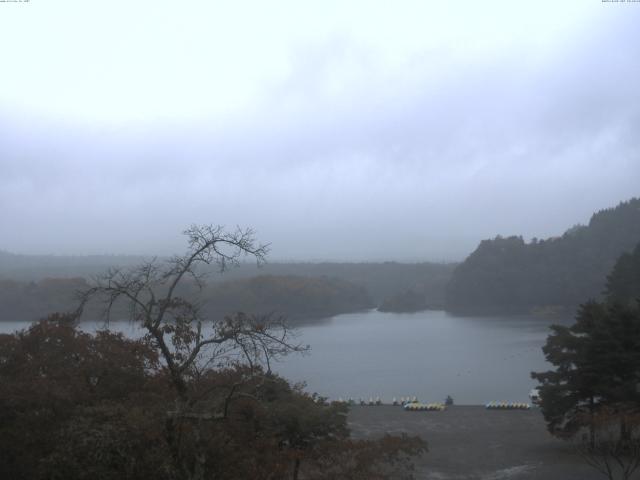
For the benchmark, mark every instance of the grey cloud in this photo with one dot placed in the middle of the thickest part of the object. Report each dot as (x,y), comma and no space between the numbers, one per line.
(418,163)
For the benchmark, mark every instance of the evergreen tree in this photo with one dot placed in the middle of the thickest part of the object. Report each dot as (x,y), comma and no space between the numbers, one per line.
(623,284)
(597,364)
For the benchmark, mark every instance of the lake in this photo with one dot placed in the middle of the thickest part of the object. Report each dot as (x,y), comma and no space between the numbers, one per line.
(428,354)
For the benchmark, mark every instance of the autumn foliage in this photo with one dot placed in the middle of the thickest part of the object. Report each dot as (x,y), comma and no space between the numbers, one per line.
(81,406)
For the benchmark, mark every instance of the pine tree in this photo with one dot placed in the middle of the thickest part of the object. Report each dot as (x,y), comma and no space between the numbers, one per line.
(597,364)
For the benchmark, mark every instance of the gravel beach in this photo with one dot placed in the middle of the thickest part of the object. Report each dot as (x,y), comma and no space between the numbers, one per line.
(470,442)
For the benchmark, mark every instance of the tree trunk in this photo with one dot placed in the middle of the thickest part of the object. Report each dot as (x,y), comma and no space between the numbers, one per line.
(625,434)
(592,428)
(296,469)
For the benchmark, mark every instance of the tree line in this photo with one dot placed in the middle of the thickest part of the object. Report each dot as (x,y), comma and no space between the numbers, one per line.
(509,274)
(593,392)
(300,291)
(300,299)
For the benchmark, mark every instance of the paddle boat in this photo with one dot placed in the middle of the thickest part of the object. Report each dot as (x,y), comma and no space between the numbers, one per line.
(424,407)
(507,406)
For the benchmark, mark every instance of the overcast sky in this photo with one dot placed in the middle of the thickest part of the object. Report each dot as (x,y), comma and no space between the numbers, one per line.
(338,130)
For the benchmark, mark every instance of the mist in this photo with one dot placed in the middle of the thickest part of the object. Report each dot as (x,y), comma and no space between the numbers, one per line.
(337,133)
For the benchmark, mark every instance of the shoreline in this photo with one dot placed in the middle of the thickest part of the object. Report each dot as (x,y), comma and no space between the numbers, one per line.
(472,442)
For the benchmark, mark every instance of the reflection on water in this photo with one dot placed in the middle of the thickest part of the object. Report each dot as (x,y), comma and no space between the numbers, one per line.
(426,354)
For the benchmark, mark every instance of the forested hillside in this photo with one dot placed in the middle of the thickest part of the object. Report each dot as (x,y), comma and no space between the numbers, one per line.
(29,301)
(33,268)
(509,274)
(623,284)
(386,283)
(296,298)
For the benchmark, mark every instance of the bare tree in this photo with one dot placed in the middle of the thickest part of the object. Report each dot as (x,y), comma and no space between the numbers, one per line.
(613,447)
(187,342)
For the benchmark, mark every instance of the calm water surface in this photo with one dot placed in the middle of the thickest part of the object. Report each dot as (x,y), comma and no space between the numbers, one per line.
(427,354)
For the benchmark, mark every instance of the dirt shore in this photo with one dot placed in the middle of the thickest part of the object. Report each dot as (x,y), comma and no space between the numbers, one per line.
(470,442)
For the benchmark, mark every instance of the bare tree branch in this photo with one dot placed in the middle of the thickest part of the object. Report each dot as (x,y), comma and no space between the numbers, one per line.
(150,290)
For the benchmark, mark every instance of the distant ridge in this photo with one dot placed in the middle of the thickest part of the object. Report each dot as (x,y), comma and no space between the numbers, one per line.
(507,274)
(36,267)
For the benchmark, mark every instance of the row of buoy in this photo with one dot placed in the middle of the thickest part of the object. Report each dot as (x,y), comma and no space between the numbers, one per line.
(377,401)
(409,403)
(507,406)
(424,407)
(361,401)
(404,401)
(413,404)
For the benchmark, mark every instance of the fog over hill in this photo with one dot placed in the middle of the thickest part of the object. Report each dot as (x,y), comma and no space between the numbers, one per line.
(339,132)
